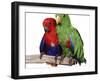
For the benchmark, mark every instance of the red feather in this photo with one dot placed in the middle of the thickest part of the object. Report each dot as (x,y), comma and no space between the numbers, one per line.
(51,37)
(68,43)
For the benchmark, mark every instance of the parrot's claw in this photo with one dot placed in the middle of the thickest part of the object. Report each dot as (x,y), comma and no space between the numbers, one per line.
(72,61)
(62,58)
(41,55)
(60,62)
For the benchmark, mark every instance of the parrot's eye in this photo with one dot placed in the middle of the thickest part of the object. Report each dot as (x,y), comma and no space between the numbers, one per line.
(54,24)
(49,24)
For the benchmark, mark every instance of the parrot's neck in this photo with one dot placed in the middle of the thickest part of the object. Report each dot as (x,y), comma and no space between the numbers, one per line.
(52,28)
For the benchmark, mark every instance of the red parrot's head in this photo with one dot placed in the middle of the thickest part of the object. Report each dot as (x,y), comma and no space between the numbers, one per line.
(49,24)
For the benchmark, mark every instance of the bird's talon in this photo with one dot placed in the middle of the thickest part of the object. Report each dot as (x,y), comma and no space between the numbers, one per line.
(72,61)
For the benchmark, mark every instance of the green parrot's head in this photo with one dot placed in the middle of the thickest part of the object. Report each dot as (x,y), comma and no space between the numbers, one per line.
(63,19)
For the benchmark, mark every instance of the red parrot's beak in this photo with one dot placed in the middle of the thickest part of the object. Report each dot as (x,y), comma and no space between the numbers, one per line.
(46,29)
(58,20)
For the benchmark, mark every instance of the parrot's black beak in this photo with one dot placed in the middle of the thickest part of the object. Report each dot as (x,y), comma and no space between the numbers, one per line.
(46,29)
(58,20)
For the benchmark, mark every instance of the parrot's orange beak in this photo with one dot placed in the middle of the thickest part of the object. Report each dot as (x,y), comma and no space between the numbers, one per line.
(58,20)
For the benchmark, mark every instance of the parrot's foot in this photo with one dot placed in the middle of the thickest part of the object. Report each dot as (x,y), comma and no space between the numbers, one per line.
(52,64)
(62,58)
(41,56)
(72,61)
(42,53)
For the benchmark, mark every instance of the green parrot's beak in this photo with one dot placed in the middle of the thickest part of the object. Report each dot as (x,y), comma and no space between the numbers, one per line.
(58,20)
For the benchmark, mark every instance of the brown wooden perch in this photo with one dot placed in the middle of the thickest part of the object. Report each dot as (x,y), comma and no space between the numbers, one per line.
(50,59)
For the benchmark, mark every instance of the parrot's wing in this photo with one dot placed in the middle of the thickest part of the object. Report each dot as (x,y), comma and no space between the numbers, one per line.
(42,46)
(78,50)
(78,36)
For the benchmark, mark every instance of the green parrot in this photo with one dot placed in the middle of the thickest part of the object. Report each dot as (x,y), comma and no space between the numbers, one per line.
(69,39)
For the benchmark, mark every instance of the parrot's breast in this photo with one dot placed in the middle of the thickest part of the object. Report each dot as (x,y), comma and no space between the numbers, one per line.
(53,51)
(51,38)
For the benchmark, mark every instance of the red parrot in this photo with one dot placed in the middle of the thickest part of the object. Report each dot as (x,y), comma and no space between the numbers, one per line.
(50,44)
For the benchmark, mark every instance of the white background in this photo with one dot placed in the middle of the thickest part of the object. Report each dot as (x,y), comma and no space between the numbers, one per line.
(5,42)
(35,31)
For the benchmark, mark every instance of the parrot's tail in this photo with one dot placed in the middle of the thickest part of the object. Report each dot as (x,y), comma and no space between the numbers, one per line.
(82,61)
